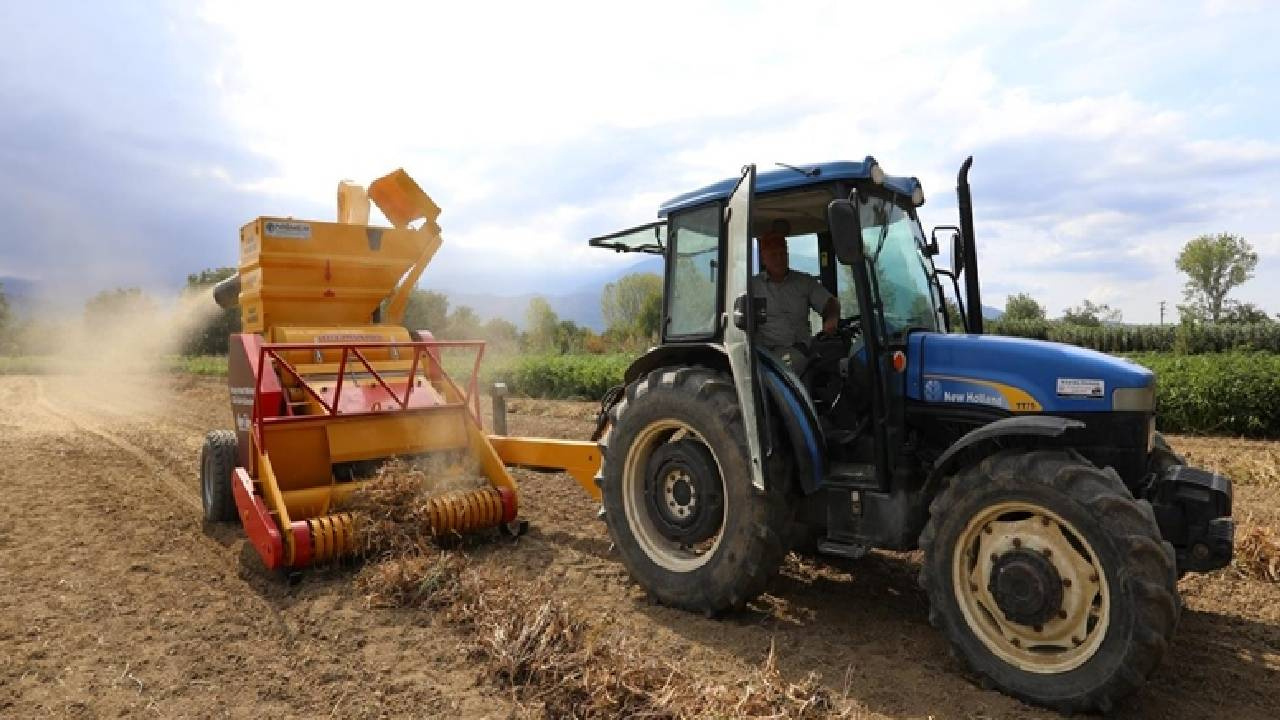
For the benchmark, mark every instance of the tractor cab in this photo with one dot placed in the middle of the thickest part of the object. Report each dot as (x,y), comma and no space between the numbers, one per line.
(826,389)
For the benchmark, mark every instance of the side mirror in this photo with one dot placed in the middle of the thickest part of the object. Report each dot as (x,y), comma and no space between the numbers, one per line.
(740,313)
(933,247)
(957,254)
(846,230)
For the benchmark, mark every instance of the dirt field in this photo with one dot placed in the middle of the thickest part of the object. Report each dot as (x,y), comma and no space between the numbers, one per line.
(116,601)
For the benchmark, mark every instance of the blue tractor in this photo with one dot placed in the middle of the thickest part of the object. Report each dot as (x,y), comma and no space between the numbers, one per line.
(1054,520)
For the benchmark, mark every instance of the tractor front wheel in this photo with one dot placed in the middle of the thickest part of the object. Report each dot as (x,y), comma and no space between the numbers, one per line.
(218,459)
(1050,579)
(678,497)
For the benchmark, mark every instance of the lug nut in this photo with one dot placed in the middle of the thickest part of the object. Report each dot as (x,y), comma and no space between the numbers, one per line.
(1093,577)
(1062,614)
(1066,582)
(1047,552)
(1076,640)
(986,529)
(1016,642)
(1045,521)
(1038,628)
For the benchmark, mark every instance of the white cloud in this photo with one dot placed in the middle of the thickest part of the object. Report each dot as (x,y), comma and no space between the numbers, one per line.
(519,118)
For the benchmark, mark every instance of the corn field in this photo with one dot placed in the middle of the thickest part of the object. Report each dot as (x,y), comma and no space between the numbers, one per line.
(1186,339)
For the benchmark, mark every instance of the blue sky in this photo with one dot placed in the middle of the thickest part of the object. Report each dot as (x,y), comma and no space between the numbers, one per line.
(139,137)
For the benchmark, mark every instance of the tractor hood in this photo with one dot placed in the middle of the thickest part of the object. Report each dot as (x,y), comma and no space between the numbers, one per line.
(1021,375)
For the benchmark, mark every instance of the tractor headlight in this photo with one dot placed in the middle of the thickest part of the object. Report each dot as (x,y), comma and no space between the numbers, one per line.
(877,175)
(1134,399)
(917,196)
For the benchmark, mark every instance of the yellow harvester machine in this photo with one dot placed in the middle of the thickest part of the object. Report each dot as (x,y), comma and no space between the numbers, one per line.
(326,383)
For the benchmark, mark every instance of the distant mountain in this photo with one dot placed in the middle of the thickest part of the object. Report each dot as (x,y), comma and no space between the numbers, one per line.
(582,308)
(990,313)
(581,304)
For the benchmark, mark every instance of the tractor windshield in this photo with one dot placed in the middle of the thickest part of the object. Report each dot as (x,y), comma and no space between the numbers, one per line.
(903,278)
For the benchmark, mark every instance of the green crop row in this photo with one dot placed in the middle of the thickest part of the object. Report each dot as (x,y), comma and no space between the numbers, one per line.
(1230,393)
(62,364)
(1236,393)
(583,377)
(1190,339)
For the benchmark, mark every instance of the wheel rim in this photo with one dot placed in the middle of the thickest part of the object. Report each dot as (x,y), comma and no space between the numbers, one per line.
(668,554)
(1007,562)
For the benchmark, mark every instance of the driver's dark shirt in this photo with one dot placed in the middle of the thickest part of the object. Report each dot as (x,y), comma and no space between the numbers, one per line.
(787,307)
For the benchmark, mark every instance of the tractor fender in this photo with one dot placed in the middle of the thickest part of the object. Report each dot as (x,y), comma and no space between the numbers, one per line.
(791,404)
(708,354)
(989,438)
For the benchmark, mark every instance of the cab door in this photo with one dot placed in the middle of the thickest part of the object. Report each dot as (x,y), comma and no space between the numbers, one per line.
(740,327)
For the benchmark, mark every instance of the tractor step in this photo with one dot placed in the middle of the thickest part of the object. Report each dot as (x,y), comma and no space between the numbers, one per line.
(852,476)
(849,551)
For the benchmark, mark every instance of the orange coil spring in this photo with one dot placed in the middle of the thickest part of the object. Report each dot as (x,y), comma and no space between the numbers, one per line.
(464,510)
(332,536)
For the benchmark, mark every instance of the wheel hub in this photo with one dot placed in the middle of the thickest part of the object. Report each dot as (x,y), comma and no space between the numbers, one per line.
(683,490)
(1026,586)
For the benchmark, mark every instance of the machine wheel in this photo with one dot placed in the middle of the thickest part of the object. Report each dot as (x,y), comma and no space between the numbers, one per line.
(1050,579)
(218,459)
(678,498)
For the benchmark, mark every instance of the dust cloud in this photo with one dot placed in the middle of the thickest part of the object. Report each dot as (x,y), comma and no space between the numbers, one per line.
(122,351)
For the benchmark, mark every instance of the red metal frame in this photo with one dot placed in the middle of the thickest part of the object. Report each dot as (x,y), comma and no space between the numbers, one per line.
(470,398)
(256,519)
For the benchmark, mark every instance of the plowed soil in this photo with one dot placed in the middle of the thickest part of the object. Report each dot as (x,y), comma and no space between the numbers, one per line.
(115,599)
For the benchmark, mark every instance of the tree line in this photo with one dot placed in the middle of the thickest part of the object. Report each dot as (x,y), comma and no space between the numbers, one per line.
(631,306)
(1214,265)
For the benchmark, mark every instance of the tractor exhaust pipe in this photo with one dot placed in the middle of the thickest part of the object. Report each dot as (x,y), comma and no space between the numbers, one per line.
(973,296)
(227,292)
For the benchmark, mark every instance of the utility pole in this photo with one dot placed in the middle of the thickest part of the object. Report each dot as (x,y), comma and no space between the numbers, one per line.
(1162,312)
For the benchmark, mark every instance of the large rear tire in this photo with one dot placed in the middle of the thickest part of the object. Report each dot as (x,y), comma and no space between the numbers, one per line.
(1050,579)
(218,459)
(678,497)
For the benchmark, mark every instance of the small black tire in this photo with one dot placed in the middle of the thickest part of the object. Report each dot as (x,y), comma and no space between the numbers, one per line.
(218,459)
(1097,641)
(673,405)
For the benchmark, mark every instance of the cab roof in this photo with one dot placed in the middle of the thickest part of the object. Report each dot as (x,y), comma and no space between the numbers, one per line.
(788,178)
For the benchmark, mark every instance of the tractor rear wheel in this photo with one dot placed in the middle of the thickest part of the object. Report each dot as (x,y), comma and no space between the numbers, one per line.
(218,459)
(678,497)
(1050,579)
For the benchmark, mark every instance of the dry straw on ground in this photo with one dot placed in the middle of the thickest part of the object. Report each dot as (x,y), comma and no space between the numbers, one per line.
(1258,554)
(390,510)
(1246,462)
(558,665)
(553,662)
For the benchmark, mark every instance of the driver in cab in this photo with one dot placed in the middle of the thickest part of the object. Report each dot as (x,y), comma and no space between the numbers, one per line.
(789,296)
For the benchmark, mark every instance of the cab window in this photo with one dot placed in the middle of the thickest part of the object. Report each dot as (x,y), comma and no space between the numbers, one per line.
(695,257)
